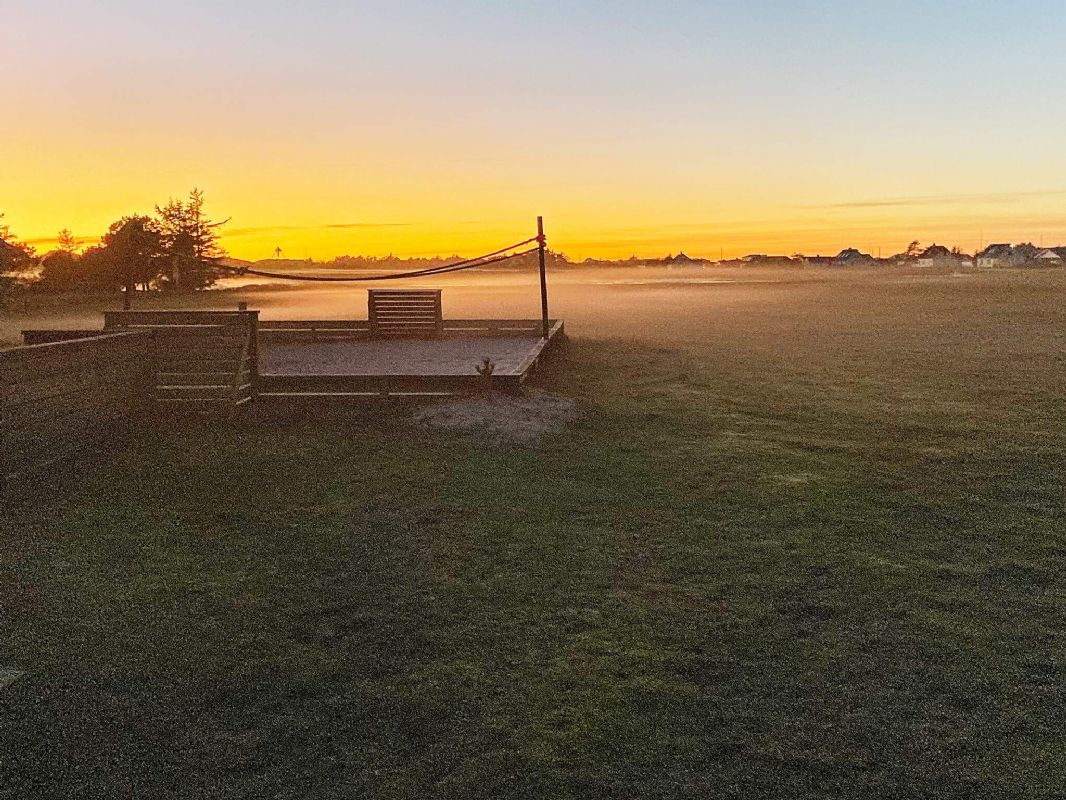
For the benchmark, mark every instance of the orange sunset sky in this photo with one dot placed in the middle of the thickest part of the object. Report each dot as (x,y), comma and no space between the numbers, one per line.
(635,128)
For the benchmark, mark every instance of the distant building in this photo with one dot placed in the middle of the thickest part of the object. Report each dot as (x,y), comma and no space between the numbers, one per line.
(763,260)
(680,260)
(818,261)
(1051,257)
(853,258)
(998,255)
(934,256)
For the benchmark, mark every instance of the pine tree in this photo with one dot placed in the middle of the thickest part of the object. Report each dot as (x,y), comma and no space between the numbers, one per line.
(66,242)
(191,241)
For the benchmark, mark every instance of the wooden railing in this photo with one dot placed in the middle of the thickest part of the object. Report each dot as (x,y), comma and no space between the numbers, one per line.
(313,330)
(50,336)
(321,330)
(206,361)
(62,398)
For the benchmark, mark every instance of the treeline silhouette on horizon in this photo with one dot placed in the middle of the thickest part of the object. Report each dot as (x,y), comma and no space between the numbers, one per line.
(177,248)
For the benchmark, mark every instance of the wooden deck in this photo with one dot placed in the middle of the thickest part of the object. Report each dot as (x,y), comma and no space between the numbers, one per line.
(200,364)
(355,366)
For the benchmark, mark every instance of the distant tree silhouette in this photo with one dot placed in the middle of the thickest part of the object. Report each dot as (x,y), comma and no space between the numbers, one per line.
(60,268)
(66,242)
(134,246)
(15,257)
(129,254)
(1026,251)
(60,271)
(191,243)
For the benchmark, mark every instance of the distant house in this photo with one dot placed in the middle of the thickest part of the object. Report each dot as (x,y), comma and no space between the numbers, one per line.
(763,260)
(997,255)
(680,260)
(818,261)
(1049,257)
(936,256)
(853,258)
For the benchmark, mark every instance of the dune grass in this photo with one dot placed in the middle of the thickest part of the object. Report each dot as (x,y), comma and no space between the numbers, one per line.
(807,545)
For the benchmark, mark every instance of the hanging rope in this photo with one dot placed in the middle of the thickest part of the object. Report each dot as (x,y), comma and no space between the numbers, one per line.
(495,257)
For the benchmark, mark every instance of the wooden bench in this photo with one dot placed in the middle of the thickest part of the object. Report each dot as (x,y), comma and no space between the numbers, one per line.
(405,312)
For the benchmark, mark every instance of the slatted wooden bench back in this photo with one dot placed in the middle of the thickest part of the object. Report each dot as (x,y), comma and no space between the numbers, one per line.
(405,312)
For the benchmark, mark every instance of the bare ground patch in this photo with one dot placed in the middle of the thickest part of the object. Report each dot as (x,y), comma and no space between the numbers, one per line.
(501,418)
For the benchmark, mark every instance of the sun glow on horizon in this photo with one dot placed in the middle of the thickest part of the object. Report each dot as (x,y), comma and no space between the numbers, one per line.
(445,129)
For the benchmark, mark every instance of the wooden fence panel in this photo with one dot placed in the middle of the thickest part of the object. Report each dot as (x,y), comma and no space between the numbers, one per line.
(206,361)
(62,398)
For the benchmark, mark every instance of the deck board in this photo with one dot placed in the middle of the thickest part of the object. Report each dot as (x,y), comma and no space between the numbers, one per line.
(429,357)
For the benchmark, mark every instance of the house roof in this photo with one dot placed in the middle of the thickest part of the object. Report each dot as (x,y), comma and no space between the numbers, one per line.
(1049,254)
(996,251)
(851,254)
(936,251)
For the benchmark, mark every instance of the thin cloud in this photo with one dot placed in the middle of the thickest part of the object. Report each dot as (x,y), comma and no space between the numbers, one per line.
(366,225)
(941,199)
(252,231)
(40,241)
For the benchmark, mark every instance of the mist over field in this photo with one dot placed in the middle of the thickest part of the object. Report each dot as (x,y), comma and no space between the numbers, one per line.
(694,305)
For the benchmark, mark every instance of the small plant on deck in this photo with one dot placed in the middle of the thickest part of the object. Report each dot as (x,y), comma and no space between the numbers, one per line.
(485,370)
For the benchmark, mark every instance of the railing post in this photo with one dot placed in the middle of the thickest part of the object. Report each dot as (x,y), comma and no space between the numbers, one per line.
(253,349)
(543,277)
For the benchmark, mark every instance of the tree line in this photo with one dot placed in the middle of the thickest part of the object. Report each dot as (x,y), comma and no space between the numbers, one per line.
(174,249)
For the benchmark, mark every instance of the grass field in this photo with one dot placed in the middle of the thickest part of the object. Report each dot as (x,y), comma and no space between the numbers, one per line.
(807,540)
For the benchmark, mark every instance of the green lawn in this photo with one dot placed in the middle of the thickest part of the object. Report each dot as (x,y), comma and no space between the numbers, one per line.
(804,542)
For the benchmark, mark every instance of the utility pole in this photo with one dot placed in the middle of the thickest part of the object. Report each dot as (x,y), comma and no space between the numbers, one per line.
(541,242)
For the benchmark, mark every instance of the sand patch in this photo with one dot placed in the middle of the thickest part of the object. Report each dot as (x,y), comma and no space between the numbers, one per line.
(500,418)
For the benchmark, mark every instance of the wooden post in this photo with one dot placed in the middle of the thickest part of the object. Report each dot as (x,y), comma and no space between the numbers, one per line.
(127,295)
(543,276)
(253,346)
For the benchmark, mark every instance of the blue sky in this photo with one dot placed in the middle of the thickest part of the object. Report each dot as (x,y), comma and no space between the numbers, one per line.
(784,124)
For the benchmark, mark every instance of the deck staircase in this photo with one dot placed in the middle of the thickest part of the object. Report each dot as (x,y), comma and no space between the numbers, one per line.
(205,363)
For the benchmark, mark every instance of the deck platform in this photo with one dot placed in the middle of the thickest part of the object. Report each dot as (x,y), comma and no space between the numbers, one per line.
(357,366)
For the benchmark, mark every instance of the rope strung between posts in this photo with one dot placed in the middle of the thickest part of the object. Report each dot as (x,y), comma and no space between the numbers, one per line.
(495,257)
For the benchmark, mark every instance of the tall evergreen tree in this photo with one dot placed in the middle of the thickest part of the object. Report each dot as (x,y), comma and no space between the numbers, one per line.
(191,242)
(66,242)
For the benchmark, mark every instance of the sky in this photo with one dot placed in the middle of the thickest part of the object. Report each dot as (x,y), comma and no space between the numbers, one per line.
(420,128)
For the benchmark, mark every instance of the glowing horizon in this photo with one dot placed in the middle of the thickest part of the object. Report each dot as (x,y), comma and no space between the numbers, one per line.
(635,130)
